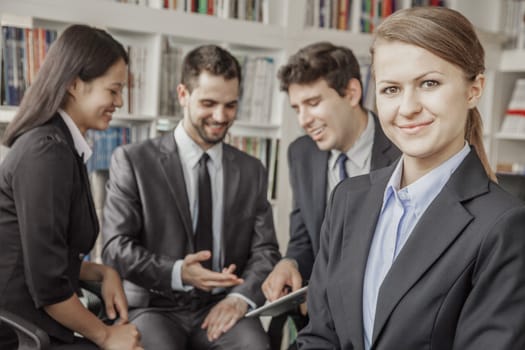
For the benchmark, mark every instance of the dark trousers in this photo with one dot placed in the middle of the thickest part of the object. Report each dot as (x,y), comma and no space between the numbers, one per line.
(275,330)
(179,328)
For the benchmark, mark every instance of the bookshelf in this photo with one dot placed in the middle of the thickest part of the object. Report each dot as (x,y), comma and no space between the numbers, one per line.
(282,35)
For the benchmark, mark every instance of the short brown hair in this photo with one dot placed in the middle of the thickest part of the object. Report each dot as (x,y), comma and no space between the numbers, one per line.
(211,58)
(323,60)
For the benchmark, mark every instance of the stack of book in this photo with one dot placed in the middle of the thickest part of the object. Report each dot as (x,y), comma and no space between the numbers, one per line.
(515,23)
(256,89)
(248,10)
(262,148)
(23,51)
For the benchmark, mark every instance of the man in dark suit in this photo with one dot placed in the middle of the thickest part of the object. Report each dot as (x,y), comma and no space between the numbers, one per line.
(184,212)
(323,83)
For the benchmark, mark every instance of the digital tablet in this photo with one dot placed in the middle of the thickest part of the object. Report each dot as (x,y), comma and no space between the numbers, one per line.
(281,305)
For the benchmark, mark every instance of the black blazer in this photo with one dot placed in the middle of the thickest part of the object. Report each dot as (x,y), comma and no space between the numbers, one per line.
(147,220)
(47,224)
(458,282)
(307,165)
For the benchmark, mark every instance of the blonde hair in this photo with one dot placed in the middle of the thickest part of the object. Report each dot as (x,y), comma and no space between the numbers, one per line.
(449,35)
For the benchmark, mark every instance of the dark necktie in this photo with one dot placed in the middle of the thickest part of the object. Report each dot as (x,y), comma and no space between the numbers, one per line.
(203,232)
(341,161)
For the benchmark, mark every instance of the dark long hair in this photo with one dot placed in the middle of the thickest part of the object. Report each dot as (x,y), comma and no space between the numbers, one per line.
(449,35)
(80,51)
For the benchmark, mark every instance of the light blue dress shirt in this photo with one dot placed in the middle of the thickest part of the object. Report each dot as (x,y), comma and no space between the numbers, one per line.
(401,211)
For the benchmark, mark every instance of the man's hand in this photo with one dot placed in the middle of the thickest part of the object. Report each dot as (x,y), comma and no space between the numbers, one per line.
(284,274)
(192,273)
(223,316)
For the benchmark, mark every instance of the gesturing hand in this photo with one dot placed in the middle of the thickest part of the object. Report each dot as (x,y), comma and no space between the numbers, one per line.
(192,273)
(223,316)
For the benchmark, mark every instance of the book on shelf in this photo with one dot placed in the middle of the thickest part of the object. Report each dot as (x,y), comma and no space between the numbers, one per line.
(255,99)
(263,148)
(23,51)
(332,14)
(514,24)
(170,68)
(133,94)
(249,10)
(514,119)
(374,11)
(104,142)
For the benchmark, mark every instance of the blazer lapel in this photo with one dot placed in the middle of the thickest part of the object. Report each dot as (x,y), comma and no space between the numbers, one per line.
(357,238)
(431,237)
(60,124)
(319,188)
(172,169)
(231,180)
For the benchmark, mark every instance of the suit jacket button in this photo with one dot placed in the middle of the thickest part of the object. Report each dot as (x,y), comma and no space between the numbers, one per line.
(81,256)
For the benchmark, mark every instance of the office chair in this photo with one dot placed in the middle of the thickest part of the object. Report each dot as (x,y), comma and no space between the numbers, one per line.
(31,337)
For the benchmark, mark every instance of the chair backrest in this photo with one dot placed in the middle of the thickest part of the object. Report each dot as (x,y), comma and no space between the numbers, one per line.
(30,337)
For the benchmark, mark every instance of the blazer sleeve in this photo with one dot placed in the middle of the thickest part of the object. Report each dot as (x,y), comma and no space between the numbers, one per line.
(299,246)
(264,251)
(43,183)
(122,225)
(320,332)
(493,316)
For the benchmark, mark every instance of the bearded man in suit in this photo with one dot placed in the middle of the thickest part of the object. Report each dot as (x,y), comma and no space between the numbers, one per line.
(187,222)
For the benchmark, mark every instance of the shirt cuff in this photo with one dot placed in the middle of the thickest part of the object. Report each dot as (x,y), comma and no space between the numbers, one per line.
(251,304)
(176,278)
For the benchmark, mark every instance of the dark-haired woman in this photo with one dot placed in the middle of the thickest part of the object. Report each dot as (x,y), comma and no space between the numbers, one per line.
(47,218)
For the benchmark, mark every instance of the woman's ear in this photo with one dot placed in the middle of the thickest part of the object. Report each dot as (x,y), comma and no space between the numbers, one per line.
(353,92)
(476,90)
(74,88)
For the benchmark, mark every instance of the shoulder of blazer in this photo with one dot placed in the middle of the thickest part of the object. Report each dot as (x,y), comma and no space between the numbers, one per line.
(162,145)
(304,147)
(55,130)
(234,154)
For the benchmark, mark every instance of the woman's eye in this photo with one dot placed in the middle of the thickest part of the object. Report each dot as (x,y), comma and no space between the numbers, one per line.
(429,83)
(390,90)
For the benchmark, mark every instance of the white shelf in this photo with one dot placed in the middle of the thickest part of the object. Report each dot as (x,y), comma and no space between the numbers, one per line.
(510,136)
(7,114)
(358,42)
(512,61)
(134,118)
(116,16)
(247,128)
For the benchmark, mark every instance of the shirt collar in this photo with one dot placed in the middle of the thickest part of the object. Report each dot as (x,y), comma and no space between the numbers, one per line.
(423,191)
(190,152)
(360,150)
(81,145)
